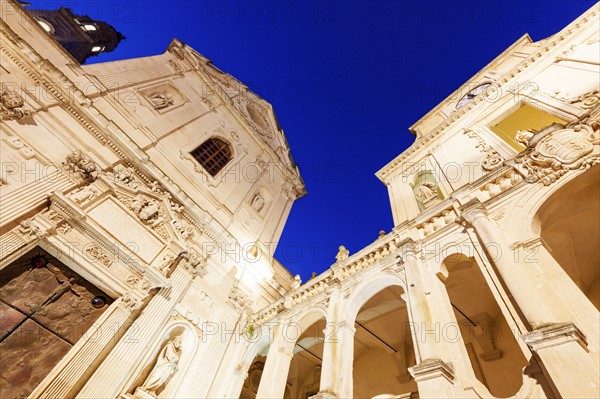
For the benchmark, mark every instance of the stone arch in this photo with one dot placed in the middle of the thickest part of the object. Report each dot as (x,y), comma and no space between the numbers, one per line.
(368,288)
(383,344)
(305,340)
(567,221)
(496,359)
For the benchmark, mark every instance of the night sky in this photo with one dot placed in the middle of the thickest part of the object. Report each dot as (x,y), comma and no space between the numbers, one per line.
(346,79)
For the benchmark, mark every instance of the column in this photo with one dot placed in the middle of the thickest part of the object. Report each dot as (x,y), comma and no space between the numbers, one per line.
(277,366)
(88,350)
(112,376)
(338,351)
(433,373)
(559,343)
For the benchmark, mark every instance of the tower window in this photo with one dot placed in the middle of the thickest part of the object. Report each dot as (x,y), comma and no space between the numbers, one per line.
(97,49)
(89,27)
(213,155)
(45,25)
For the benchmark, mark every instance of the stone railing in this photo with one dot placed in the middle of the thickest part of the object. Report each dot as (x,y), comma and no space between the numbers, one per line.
(437,222)
(499,182)
(341,270)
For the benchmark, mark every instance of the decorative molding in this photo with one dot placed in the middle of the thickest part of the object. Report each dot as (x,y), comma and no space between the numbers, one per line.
(554,334)
(432,368)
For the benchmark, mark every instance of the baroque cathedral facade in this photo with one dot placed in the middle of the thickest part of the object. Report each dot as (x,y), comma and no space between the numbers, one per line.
(139,198)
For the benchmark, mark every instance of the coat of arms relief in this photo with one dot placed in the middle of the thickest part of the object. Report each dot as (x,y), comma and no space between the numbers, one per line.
(557,149)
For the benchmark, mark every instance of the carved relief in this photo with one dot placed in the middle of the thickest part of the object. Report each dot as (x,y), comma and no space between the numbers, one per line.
(95,252)
(29,229)
(125,175)
(556,149)
(258,202)
(492,158)
(11,106)
(255,116)
(194,263)
(84,194)
(238,299)
(78,162)
(160,100)
(163,98)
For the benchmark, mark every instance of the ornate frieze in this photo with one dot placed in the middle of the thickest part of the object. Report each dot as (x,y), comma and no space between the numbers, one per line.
(94,251)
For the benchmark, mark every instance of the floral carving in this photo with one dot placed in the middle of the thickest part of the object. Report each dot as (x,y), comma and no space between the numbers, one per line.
(78,162)
(492,158)
(11,104)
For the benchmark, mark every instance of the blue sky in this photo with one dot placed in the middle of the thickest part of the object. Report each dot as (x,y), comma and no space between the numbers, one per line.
(346,79)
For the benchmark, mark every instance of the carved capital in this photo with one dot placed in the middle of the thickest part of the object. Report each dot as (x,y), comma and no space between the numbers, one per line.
(324,395)
(432,368)
(473,210)
(131,302)
(555,334)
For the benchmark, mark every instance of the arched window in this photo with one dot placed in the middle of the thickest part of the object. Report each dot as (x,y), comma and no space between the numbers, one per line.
(213,155)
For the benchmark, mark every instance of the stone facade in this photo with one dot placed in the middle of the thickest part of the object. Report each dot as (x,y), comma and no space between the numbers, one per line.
(486,287)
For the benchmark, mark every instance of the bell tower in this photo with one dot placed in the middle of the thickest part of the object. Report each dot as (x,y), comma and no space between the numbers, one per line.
(80,35)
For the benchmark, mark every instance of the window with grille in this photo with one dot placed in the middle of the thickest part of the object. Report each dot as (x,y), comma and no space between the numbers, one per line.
(213,155)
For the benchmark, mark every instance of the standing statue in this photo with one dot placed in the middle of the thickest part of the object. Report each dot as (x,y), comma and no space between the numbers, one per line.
(166,365)
(342,254)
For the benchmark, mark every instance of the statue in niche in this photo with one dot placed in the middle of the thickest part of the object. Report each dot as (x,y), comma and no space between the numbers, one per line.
(258,203)
(160,100)
(427,191)
(166,365)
